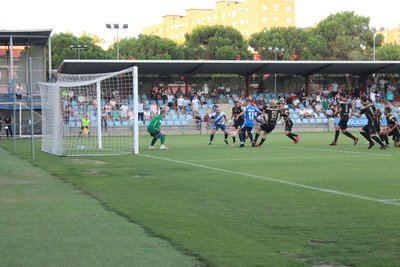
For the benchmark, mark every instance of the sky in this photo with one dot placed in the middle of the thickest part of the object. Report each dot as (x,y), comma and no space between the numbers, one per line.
(79,16)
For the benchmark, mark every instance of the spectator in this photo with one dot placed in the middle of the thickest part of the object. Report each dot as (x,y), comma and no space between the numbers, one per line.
(113,103)
(141,111)
(124,111)
(195,105)
(357,104)
(154,110)
(198,121)
(389,95)
(7,125)
(170,100)
(325,104)
(104,118)
(18,91)
(335,88)
(181,103)
(309,112)
(372,96)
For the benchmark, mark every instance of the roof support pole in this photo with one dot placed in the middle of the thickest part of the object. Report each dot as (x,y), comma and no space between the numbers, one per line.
(307,83)
(185,79)
(247,85)
(14,126)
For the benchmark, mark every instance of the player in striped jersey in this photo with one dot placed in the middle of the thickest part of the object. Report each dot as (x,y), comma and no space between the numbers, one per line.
(218,119)
(267,121)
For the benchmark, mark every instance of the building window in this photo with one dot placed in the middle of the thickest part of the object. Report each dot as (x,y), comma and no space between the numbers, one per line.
(275,19)
(265,8)
(289,20)
(289,9)
(234,13)
(241,21)
(264,19)
(276,7)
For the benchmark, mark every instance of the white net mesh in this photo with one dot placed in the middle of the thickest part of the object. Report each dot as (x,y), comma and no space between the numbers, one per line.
(87,115)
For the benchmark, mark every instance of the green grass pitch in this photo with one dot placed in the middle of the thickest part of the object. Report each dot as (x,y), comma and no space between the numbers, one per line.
(279,205)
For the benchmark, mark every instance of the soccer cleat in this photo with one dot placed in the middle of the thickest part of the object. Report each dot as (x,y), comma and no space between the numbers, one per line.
(384,147)
(371,145)
(298,138)
(226,142)
(253,144)
(295,141)
(355,141)
(210,144)
(258,145)
(333,144)
(162,147)
(241,145)
(152,147)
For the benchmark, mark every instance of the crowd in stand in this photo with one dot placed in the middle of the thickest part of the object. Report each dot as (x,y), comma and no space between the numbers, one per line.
(197,104)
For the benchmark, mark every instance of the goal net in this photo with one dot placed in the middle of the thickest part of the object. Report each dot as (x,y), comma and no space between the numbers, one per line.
(96,114)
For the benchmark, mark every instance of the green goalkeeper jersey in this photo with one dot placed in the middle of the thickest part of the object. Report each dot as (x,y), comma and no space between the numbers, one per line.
(155,124)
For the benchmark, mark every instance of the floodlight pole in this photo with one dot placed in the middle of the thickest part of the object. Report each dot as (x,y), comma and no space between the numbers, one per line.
(375,33)
(117,28)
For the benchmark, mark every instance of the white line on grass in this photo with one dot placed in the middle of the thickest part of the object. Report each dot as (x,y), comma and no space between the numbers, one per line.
(265,158)
(328,150)
(350,195)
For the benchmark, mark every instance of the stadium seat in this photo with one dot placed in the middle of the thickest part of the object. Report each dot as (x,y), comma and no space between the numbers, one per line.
(294,116)
(322,115)
(177,123)
(125,123)
(189,117)
(163,123)
(230,101)
(117,123)
(184,122)
(325,120)
(174,116)
(110,124)
(169,122)
(305,121)
(298,121)
(144,97)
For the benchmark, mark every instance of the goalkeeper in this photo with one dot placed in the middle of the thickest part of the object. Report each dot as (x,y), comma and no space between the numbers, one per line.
(155,132)
(85,123)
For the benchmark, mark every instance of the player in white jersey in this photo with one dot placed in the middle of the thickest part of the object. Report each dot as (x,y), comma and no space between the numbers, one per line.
(218,120)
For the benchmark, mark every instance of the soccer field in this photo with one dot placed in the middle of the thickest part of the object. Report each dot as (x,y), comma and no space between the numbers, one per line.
(278,205)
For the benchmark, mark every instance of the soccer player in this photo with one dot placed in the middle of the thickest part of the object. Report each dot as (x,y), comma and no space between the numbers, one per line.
(393,127)
(85,123)
(237,120)
(344,112)
(285,114)
(154,129)
(382,135)
(248,113)
(267,122)
(218,119)
(369,130)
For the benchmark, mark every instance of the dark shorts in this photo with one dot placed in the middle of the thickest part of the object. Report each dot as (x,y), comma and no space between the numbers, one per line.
(369,128)
(237,124)
(288,126)
(396,135)
(156,134)
(245,128)
(267,128)
(343,124)
(219,126)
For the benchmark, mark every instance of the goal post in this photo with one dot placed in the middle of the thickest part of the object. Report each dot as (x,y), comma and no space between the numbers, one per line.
(96,114)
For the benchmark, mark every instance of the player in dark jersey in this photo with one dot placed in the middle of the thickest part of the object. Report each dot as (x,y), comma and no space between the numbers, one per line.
(285,114)
(237,120)
(267,122)
(369,130)
(393,127)
(384,138)
(343,111)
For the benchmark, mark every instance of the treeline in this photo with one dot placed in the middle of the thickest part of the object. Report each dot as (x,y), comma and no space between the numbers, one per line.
(341,36)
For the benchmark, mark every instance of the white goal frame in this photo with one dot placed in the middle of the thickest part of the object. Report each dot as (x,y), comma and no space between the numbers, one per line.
(53,127)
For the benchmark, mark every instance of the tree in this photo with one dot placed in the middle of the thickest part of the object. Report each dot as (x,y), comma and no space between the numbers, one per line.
(295,41)
(388,52)
(348,36)
(216,42)
(61,50)
(148,47)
